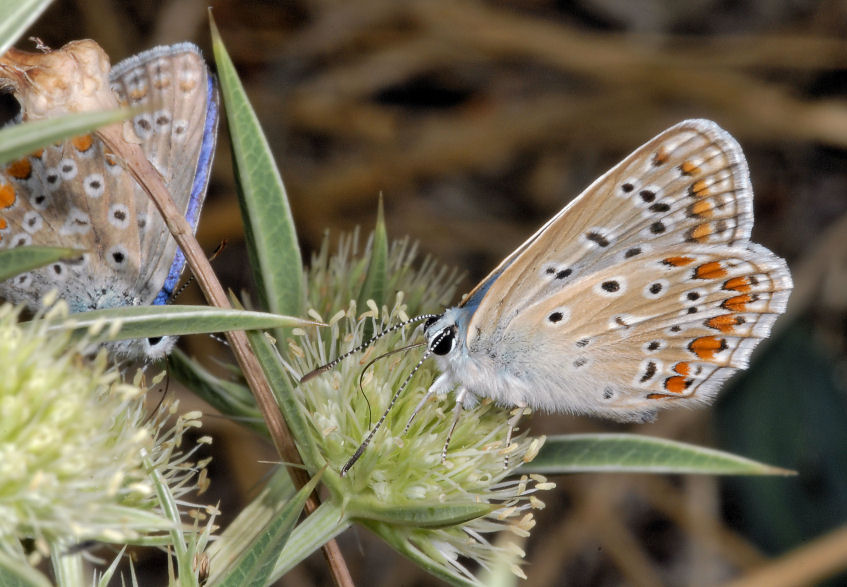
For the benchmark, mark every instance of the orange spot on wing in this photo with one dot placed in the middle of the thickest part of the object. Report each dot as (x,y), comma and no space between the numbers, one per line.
(37,154)
(705,347)
(726,323)
(703,208)
(688,168)
(661,157)
(82,142)
(20,169)
(678,261)
(737,284)
(700,231)
(137,93)
(110,157)
(7,195)
(3,224)
(682,368)
(662,396)
(710,270)
(677,384)
(737,303)
(699,189)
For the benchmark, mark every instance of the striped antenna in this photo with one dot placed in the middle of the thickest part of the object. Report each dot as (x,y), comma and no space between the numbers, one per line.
(323,368)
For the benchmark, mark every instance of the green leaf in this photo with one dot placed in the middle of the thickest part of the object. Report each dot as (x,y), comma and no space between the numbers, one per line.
(256,562)
(376,278)
(228,397)
(433,515)
(22,139)
(170,510)
(251,519)
(268,224)
(321,526)
(283,391)
(15,18)
(21,259)
(15,573)
(152,321)
(106,576)
(633,453)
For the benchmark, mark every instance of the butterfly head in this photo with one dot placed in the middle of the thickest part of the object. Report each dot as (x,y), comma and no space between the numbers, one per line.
(445,334)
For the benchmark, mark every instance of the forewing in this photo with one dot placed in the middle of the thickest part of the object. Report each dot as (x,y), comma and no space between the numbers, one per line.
(689,185)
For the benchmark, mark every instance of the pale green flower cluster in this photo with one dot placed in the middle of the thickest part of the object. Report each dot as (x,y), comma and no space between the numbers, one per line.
(399,487)
(78,449)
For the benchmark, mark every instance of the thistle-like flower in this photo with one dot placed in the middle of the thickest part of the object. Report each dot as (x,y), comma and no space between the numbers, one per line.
(436,513)
(78,449)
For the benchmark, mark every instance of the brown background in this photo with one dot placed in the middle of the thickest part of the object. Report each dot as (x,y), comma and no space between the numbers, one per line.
(477,121)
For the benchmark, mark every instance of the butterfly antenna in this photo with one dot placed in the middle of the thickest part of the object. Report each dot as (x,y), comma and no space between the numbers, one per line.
(314,373)
(190,279)
(161,400)
(369,437)
(374,360)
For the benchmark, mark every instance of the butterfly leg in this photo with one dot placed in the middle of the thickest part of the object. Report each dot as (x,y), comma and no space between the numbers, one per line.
(417,409)
(440,386)
(510,425)
(457,411)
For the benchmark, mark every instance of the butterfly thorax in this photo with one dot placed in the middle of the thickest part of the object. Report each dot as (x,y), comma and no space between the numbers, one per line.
(478,372)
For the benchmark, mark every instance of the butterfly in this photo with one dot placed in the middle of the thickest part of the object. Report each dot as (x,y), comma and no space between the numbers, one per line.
(644,292)
(77,194)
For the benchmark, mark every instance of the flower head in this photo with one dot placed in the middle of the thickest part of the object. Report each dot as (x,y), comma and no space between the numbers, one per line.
(436,513)
(74,440)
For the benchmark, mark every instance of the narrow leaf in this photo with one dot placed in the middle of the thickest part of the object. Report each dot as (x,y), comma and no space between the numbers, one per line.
(268,224)
(376,278)
(152,321)
(14,573)
(283,391)
(20,140)
(633,453)
(256,562)
(21,259)
(321,526)
(16,16)
(251,519)
(433,515)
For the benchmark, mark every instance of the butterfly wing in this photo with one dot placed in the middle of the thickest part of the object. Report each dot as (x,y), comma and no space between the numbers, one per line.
(66,195)
(77,194)
(652,260)
(178,131)
(687,185)
(634,336)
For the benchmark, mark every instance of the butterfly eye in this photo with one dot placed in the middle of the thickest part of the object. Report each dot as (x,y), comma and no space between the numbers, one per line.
(444,342)
(430,321)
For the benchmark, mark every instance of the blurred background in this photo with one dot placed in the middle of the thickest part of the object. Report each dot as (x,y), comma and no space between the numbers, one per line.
(477,121)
